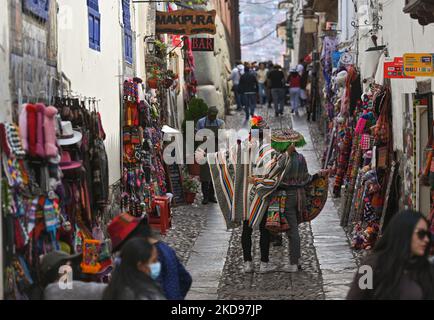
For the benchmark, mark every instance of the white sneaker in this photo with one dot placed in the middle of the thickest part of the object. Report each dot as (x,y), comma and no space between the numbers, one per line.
(248,267)
(291,268)
(265,268)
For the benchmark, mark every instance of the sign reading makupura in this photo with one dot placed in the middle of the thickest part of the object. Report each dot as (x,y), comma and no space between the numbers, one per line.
(186,22)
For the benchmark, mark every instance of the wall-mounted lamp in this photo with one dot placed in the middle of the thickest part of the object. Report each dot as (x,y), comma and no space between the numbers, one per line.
(150,44)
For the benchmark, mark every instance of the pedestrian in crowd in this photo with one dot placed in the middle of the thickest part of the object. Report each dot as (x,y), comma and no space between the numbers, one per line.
(303,86)
(291,175)
(174,279)
(212,123)
(265,235)
(276,79)
(262,79)
(235,78)
(135,277)
(300,67)
(294,81)
(249,88)
(399,261)
(55,281)
(269,67)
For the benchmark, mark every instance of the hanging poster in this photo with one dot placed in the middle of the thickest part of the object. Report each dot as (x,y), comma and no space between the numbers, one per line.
(186,22)
(419,64)
(202,44)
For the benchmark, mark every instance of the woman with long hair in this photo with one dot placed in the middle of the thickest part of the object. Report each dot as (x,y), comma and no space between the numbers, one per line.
(399,261)
(135,277)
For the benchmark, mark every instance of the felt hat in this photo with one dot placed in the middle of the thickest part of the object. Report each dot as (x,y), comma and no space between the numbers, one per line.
(55,259)
(121,227)
(68,135)
(282,139)
(66,162)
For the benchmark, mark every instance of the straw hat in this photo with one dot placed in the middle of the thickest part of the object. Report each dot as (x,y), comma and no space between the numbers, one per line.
(282,139)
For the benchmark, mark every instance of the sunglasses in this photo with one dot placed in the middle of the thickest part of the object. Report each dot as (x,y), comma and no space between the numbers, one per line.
(421,234)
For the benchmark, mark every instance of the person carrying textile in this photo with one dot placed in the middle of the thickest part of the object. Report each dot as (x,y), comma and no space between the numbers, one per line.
(286,184)
(212,123)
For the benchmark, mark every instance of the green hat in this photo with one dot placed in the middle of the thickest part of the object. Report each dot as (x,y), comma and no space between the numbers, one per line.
(213,111)
(282,139)
(55,259)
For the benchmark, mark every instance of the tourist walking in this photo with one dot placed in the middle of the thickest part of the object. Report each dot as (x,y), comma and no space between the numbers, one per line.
(399,263)
(249,89)
(294,81)
(235,76)
(262,80)
(276,79)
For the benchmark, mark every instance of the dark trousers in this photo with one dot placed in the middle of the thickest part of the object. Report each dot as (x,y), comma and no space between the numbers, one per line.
(208,190)
(264,241)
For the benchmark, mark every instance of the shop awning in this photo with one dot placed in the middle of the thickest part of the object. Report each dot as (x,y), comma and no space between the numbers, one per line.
(422,10)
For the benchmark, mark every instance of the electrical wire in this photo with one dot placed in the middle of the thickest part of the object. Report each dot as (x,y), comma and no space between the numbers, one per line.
(259,40)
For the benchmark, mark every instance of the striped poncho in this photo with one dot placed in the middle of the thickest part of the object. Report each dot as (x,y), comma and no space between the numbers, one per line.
(240,201)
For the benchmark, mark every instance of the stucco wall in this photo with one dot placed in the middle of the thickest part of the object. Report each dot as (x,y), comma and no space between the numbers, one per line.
(97,74)
(5,99)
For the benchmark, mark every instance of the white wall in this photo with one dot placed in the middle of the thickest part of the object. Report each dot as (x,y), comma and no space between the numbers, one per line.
(93,73)
(402,35)
(5,102)
(346,15)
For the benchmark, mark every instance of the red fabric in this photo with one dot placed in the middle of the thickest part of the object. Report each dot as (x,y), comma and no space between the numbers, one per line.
(295,81)
(32,128)
(4,140)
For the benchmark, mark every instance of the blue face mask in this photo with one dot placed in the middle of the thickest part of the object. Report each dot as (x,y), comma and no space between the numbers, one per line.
(155,270)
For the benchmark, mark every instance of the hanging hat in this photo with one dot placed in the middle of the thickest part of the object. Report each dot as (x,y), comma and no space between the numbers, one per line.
(68,136)
(55,259)
(282,139)
(257,122)
(120,228)
(66,162)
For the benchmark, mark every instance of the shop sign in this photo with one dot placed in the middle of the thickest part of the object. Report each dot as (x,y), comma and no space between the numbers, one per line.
(202,44)
(186,22)
(395,69)
(419,64)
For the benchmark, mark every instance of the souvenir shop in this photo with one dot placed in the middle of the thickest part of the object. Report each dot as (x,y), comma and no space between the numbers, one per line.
(54,191)
(360,149)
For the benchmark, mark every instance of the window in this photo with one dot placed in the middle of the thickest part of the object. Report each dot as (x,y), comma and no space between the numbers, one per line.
(128,33)
(94,18)
(38,8)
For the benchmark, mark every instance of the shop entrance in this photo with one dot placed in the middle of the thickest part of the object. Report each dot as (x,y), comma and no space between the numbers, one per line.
(422,138)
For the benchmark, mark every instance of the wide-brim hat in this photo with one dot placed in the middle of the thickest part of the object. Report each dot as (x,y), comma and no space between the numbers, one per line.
(55,259)
(68,136)
(66,163)
(282,139)
(120,228)
(257,122)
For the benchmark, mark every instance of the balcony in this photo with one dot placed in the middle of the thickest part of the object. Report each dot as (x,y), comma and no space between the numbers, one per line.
(421,10)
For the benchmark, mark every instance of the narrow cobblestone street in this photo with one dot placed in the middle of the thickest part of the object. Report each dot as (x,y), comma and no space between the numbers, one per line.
(213,255)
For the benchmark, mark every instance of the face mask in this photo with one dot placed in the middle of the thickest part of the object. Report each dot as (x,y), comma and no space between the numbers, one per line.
(155,270)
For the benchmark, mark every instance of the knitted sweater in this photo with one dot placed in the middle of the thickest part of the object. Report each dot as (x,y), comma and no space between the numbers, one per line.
(174,279)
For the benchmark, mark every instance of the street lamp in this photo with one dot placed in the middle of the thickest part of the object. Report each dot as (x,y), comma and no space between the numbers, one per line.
(310,21)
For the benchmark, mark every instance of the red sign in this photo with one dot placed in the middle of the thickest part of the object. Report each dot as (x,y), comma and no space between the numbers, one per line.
(202,44)
(395,69)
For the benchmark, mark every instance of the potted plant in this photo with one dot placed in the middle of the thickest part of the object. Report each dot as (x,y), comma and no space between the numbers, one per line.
(160,48)
(197,109)
(191,187)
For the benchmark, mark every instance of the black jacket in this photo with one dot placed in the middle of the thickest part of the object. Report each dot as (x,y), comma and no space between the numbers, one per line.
(248,83)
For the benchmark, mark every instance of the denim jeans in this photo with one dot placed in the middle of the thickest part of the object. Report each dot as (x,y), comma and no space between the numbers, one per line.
(295,98)
(250,100)
(291,209)
(262,93)
(278,99)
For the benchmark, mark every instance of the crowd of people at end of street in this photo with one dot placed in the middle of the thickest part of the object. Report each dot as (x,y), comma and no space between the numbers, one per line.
(270,84)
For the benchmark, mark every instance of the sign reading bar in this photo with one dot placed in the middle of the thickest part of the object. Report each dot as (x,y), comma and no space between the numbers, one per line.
(202,44)
(395,69)
(186,22)
(419,64)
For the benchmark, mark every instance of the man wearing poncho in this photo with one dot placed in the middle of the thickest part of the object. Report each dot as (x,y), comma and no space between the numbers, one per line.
(244,198)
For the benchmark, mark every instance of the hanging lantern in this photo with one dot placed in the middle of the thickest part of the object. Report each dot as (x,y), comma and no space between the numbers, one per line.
(310,21)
